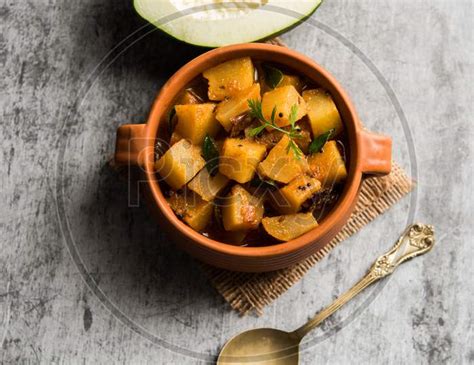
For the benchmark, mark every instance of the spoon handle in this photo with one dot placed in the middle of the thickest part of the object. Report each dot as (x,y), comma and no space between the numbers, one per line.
(417,239)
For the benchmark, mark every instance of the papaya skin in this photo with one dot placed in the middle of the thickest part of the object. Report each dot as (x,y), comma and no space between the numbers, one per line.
(199,47)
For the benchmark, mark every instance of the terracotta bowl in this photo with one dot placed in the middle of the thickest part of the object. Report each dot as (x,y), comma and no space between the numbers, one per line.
(369,154)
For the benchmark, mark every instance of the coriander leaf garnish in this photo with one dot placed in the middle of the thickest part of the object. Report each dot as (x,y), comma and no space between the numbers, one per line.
(272,117)
(256,112)
(294,132)
(210,153)
(318,143)
(256,131)
(293,115)
(256,109)
(273,76)
(295,149)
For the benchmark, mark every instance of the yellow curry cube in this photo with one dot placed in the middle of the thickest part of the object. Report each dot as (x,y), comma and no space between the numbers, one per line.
(239,159)
(241,210)
(230,77)
(188,206)
(236,105)
(322,112)
(289,198)
(195,121)
(289,227)
(282,164)
(293,80)
(328,165)
(208,186)
(283,98)
(180,164)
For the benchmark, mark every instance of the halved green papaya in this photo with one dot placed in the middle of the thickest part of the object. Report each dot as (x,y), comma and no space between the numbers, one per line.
(215,23)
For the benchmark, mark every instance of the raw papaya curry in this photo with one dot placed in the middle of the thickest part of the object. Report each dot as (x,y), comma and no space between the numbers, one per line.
(251,154)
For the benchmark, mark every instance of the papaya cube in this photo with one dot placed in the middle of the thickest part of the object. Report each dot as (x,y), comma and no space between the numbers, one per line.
(230,77)
(207,186)
(236,105)
(291,80)
(289,198)
(195,121)
(239,159)
(241,210)
(282,164)
(328,165)
(322,112)
(180,164)
(193,210)
(289,227)
(283,98)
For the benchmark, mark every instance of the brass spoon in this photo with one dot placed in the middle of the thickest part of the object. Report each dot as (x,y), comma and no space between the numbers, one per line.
(265,346)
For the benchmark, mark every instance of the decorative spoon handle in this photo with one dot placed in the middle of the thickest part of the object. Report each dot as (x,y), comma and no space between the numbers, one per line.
(417,239)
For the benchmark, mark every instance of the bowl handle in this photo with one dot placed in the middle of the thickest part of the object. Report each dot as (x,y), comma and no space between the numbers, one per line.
(376,153)
(130,145)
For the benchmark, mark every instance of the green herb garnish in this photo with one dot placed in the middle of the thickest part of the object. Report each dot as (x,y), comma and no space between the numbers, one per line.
(273,76)
(318,143)
(294,132)
(296,150)
(293,115)
(256,131)
(210,153)
(170,120)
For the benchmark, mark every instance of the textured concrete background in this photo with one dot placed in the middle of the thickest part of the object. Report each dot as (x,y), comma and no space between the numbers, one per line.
(160,307)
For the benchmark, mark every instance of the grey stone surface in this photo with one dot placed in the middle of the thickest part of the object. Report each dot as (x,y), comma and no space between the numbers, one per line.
(48,314)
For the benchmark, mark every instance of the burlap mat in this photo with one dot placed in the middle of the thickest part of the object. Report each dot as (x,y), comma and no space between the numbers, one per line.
(252,292)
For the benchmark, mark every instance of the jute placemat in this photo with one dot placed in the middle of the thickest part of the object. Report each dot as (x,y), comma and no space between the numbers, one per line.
(247,292)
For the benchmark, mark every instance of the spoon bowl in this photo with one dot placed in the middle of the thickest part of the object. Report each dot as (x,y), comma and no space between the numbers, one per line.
(263,346)
(268,346)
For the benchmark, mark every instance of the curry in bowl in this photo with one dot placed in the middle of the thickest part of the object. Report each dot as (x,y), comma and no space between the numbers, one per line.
(251,153)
